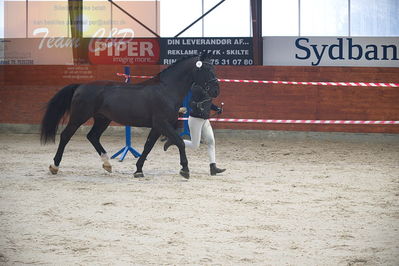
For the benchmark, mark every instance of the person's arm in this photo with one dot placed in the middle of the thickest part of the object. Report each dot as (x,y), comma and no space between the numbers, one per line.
(216,108)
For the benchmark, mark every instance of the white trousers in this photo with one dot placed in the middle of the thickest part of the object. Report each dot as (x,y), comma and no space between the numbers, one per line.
(198,127)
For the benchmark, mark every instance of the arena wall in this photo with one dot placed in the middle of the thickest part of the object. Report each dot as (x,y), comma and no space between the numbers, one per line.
(24,91)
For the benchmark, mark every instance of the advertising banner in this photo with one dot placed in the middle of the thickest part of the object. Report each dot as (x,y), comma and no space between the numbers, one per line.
(99,19)
(225,51)
(123,51)
(35,51)
(59,32)
(331,51)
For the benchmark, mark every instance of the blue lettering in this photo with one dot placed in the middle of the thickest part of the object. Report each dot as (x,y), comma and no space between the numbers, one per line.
(350,48)
(345,49)
(385,52)
(374,51)
(318,55)
(307,50)
(340,50)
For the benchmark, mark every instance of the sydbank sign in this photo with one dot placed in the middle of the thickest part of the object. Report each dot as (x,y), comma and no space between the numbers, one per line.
(331,51)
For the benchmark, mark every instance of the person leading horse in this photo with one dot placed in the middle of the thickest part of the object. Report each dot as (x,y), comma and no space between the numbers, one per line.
(153,103)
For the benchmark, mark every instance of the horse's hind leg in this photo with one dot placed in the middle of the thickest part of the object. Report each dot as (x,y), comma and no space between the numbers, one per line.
(172,135)
(66,135)
(149,144)
(100,125)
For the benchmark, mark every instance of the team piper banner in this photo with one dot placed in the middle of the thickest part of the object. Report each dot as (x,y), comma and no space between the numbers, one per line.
(331,51)
(133,51)
(123,51)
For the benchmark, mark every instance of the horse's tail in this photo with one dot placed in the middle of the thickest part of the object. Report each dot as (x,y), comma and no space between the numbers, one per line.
(56,108)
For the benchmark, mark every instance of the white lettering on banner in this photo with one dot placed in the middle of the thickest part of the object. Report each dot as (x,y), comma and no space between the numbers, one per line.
(224,51)
(63,42)
(173,41)
(237,52)
(331,51)
(133,48)
(182,52)
(100,33)
(206,42)
(59,42)
(130,60)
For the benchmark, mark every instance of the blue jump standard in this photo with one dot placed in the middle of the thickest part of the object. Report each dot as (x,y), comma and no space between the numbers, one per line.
(128,135)
(128,146)
(186,103)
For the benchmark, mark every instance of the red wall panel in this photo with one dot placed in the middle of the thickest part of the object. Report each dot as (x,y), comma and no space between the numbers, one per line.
(24,91)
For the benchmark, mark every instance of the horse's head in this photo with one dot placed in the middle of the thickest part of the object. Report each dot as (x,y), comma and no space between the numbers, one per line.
(204,75)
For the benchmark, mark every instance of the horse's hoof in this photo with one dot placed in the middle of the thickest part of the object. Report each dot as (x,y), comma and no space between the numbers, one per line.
(185,173)
(53,169)
(138,175)
(107,167)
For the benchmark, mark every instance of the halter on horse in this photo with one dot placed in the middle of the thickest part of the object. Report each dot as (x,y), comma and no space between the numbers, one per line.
(153,103)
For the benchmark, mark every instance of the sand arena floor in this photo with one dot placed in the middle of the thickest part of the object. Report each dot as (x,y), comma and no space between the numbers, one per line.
(282,201)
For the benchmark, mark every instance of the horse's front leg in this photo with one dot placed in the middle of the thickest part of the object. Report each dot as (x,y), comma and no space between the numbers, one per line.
(174,138)
(149,144)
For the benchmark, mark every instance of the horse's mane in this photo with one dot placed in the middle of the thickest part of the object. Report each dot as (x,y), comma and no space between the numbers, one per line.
(157,78)
(173,65)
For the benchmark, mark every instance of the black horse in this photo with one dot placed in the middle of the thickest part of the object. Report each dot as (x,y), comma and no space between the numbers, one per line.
(153,104)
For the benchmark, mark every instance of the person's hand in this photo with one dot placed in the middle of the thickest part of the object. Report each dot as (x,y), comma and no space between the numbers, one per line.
(219,110)
(183,110)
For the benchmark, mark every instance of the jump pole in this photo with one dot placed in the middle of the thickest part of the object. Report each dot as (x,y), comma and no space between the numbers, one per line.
(128,133)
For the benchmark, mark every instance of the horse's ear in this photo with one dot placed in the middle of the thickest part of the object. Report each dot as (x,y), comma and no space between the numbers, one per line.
(204,55)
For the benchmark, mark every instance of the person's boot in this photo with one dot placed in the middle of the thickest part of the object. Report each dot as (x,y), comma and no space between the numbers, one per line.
(167,144)
(215,170)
